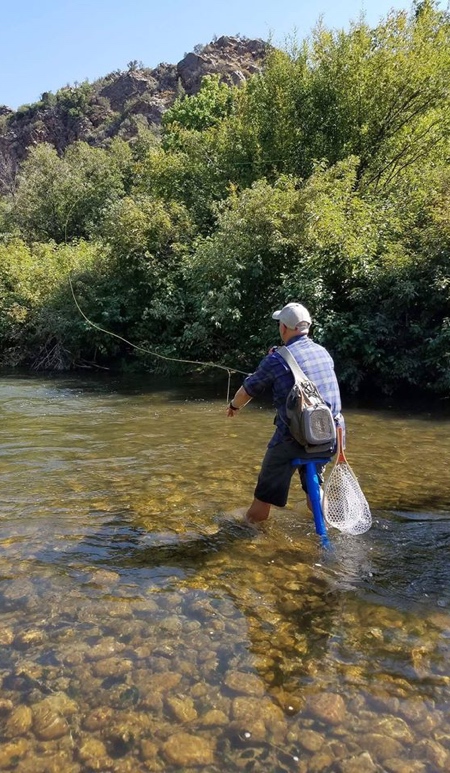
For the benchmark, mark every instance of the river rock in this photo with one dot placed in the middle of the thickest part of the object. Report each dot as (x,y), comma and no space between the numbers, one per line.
(394,727)
(321,761)
(433,752)
(112,667)
(244,684)
(181,709)
(6,637)
(310,740)
(31,638)
(106,648)
(328,707)
(98,718)
(396,765)
(48,723)
(248,710)
(93,753)
(163,682)
(171,625)
(428,724)
(121,609)
(61,702)
(186,750)
(10,753)
(381,747)
(149,750)
(413,711)
(214,718)
(17,593)
(103,577)
(360,763)
(19,722)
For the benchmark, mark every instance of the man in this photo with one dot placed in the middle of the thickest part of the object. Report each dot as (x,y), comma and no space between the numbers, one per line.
(276,472)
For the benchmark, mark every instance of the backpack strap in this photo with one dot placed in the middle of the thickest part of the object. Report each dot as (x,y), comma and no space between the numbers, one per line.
(299,375)
(290,360)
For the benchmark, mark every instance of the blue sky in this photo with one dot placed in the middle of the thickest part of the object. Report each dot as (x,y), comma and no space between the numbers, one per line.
(46,44)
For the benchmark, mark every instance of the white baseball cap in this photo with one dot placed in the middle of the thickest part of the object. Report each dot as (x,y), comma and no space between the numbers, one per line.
(293,315)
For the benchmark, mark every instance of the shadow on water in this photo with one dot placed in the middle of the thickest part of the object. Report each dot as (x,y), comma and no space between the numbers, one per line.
(122,545)
(181,387)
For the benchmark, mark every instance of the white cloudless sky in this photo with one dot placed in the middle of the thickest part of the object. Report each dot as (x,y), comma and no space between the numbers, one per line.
(46,44)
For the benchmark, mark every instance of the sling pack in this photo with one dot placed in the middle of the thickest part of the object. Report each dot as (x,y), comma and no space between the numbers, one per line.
(309,418)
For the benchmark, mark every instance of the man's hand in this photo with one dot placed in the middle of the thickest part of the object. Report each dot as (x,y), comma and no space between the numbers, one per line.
(240,399)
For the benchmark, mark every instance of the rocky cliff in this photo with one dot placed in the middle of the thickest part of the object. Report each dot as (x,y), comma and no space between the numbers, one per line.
(119,103)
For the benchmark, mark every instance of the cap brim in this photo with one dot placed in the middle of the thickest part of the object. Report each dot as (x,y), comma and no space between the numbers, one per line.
(276,314)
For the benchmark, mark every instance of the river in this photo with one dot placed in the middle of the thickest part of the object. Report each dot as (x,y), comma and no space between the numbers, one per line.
(146,628)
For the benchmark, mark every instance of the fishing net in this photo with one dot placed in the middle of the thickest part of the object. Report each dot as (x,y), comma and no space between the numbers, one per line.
(344,504)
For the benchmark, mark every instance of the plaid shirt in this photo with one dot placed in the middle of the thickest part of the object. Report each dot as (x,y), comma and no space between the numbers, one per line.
(275,373)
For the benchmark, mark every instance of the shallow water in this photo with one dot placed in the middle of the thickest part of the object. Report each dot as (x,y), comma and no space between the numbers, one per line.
(145,628)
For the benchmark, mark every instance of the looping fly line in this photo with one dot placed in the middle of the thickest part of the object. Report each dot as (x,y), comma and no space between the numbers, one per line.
(230,371)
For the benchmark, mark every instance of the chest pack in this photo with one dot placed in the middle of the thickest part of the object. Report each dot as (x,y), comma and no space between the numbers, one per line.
(309,418)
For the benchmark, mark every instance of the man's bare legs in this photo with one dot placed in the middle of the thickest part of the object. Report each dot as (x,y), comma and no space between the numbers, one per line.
(257,512)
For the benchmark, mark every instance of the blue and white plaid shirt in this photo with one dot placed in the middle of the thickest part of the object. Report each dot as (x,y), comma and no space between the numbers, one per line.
(273,372)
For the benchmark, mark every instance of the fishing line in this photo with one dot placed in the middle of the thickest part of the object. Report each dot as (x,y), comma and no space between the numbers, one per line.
(230,371)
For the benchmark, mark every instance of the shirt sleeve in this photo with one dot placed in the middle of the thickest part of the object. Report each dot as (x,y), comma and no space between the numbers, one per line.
(262,378)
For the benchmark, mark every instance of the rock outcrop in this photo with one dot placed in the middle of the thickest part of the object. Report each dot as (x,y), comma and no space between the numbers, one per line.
(120,102)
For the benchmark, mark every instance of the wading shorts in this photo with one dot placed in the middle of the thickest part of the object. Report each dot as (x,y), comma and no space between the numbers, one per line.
(276,472)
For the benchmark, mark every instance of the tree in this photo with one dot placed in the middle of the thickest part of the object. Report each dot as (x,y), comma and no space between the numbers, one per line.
(210,105)
(62,198)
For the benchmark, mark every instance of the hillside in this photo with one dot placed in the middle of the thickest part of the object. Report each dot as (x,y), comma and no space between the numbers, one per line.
(119,103)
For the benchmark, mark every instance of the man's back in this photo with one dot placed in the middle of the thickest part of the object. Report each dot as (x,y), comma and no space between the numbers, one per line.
(273,372)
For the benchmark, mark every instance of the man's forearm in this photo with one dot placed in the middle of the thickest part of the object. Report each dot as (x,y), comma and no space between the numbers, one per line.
(241,398)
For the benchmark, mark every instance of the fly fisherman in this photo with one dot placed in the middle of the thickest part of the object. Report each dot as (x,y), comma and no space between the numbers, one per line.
(273,372)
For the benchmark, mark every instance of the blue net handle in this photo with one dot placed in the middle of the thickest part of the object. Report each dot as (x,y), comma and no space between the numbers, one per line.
(313,487)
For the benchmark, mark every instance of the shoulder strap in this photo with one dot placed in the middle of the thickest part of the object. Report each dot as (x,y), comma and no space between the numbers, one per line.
(299,375)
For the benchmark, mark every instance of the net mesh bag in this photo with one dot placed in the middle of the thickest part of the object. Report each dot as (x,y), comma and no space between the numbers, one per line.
(344,504)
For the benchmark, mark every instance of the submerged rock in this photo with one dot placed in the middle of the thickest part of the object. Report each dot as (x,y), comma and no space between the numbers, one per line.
(433,752)
(381,747)
(10,753)
(361,763)
(98,718)
(6,637)
(328,707)
(214,718)
(245,684)
(181,709)
(19,722)
(186,750)
(112,667)
(48,722)
(93,753)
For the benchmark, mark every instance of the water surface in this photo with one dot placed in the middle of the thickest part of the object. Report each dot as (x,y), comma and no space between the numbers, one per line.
(144,627)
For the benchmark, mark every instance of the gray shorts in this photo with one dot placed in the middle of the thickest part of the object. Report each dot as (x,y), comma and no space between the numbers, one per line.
(276,472)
